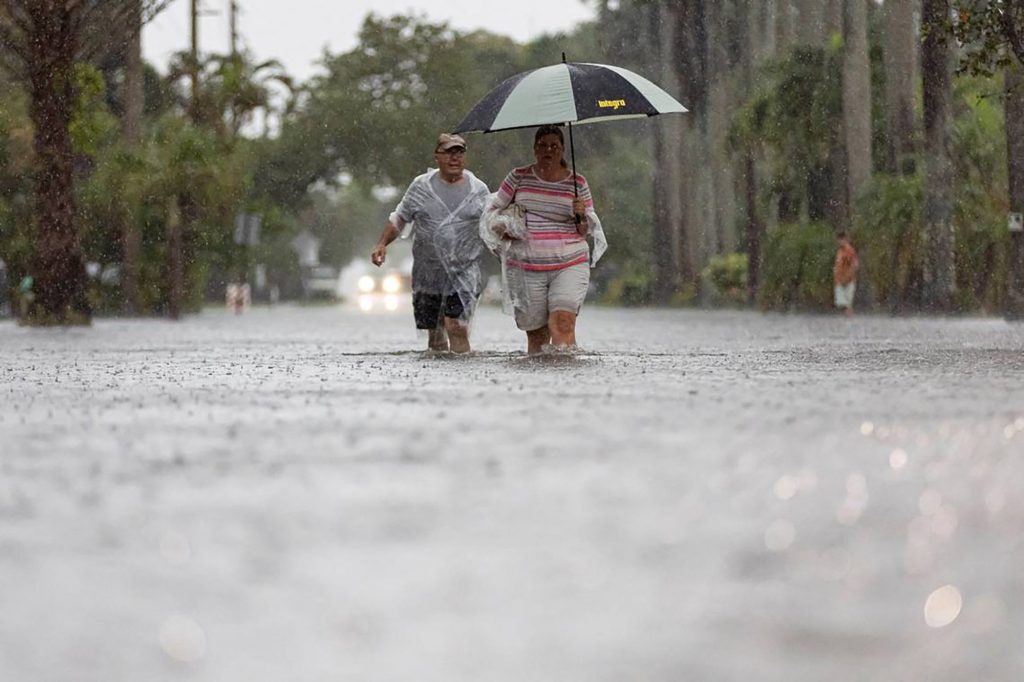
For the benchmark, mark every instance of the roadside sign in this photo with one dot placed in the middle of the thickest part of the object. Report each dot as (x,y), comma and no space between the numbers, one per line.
(1016,222)
(247,229)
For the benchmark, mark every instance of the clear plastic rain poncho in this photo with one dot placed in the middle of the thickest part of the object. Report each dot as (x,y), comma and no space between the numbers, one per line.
(510,221)
(446,245)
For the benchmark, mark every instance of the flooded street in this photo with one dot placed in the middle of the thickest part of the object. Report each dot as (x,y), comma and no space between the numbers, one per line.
(301,494)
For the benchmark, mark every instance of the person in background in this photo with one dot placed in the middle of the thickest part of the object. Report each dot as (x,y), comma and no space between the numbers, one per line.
(844,273)
(5,308)
(444,205)
(26,295)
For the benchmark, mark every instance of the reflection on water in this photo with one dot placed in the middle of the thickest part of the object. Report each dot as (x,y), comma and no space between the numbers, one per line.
(183,639)
(943,606)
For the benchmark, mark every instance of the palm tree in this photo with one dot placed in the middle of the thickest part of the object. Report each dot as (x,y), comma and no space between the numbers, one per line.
(856,98)
(40,43)
(233,89)
(900,57)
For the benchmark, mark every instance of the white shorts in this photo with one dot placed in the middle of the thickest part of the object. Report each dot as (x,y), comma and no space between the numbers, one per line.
(551,290)
(844,294)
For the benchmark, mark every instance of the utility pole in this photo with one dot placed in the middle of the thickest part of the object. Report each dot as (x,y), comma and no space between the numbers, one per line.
(234,27)
(194,63)
(134,97)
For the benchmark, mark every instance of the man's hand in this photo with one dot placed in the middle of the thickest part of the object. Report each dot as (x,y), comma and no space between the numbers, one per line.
(379,254)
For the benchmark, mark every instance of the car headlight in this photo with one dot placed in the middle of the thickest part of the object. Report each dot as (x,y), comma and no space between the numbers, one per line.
(391,284)
(365,284)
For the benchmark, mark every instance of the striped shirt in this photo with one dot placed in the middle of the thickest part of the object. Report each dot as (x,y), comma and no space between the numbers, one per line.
(552,242)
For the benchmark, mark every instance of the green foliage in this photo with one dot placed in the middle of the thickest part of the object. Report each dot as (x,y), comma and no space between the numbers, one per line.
(794,119)
(140,187)
(377,110)
(982,202)
(92,124)
(233,89)
(16,160)
(888,231)
(989,34)
(408,77)
(631,287)
(727,275)
(369,120)
(983,263)
(889,238)
(979,153)
(798,267)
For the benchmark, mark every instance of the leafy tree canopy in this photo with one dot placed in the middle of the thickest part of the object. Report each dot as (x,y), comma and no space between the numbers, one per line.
(991,32)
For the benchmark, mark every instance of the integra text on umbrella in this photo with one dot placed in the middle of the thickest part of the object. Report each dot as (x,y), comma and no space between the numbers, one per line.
(611,103)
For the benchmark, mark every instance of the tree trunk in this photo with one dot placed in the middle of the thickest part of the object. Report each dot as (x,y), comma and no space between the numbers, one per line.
(755,229)
(761,29)
(668,208)
(760,34)
(691,69)
(134,96)
(175,260)
(856,99)
(900,57)
(721,226)
(939,286)
(834,18)
(1015,163)
(784,34)
(810,22)
(57,268)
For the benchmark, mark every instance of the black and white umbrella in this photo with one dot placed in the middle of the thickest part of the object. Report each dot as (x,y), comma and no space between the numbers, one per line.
(568,93)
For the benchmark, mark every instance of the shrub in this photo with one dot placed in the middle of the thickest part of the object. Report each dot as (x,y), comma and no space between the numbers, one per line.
(727,276)
(888,237)
(632,287)
(798,267)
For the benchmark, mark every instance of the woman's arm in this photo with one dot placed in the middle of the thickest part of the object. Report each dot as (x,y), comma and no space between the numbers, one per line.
(582,205)
(506,193)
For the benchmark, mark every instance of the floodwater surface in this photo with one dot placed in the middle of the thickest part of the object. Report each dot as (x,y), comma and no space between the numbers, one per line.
(302,494)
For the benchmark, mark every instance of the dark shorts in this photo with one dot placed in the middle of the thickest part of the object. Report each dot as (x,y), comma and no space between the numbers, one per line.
(427,309)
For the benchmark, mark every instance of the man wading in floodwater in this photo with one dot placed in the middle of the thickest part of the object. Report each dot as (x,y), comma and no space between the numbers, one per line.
(444,205)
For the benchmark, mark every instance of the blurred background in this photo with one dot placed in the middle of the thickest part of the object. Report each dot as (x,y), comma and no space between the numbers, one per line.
(162,151)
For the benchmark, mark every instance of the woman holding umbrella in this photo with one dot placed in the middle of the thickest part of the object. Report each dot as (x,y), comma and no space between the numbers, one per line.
(552,252)
(552,248)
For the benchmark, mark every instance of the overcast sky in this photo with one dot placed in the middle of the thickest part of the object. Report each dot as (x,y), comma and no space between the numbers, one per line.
(296,31)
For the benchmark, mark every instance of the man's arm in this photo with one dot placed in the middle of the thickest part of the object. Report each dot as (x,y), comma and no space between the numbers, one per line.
(390,234)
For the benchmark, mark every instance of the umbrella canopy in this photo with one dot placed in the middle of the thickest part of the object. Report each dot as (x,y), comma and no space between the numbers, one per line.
(568,93)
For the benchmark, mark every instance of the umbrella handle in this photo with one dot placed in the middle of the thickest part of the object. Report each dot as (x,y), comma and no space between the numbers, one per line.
(572,154)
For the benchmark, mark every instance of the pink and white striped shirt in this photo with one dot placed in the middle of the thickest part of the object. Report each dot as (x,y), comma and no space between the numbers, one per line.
(552,241)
